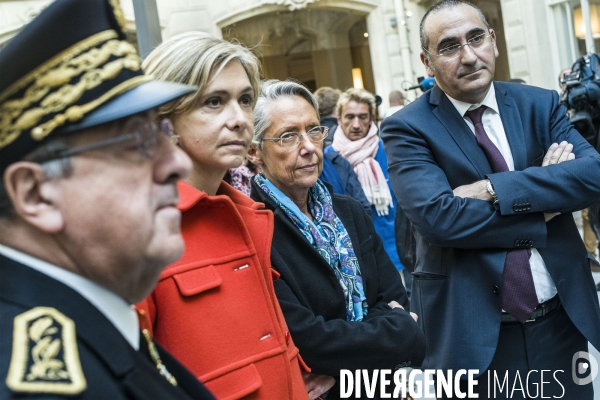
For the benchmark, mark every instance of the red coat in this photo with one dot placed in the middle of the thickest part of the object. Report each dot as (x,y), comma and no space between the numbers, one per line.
(216,310)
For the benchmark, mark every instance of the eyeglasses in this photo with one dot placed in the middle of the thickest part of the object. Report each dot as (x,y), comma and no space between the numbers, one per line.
(476,43)
(290,140)
(145,138)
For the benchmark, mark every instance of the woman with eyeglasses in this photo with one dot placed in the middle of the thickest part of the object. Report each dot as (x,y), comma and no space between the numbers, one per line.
(215,309)
(340,293)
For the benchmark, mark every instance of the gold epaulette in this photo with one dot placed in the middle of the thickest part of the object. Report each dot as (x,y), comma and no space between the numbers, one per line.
(44,357)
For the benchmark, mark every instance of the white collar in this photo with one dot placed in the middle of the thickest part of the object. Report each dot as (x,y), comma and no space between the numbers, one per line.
(116,309)
(489,101)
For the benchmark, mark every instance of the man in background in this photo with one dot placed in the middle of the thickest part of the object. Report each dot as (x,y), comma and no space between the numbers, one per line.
(357,140)
(396,102)
(327,98)
(336,170)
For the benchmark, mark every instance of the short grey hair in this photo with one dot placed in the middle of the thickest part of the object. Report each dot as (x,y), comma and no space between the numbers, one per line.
(270,91)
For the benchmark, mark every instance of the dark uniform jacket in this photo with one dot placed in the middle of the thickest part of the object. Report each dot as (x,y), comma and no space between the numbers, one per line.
(96,362)
(313,302)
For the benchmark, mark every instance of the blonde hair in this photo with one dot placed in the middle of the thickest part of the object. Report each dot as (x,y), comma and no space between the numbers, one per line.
(359,96)
(191,58)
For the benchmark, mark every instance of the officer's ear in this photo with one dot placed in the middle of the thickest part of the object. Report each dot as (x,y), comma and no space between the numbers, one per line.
(33,196)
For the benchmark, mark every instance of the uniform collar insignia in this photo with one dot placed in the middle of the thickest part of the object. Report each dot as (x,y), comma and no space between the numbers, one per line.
(45,358)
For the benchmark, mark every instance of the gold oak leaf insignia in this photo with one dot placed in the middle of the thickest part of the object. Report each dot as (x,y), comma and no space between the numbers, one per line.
(45,358)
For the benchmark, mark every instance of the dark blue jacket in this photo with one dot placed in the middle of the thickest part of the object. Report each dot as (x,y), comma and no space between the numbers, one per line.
(338,172)
(385,225)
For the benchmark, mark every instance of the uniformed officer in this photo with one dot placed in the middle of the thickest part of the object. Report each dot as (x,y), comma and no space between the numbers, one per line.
(88,215)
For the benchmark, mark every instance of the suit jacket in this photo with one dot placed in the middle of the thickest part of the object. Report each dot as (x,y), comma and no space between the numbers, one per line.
(111,368)
(313,302)
(462,243)
(215,309)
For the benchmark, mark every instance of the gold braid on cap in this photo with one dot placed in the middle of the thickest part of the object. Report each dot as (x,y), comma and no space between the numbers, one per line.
(118,13)
(49,91)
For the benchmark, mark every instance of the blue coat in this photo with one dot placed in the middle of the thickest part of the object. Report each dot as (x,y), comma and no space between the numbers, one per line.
(338,172)
(384,224)
(462,243)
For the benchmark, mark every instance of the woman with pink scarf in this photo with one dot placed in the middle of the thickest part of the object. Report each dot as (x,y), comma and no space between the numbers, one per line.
(356,139)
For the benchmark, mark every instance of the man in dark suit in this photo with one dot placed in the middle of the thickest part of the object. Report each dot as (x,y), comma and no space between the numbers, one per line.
(489,174)
(88,215)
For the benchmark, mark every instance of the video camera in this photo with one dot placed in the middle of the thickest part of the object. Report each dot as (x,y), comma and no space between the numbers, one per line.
(582,97)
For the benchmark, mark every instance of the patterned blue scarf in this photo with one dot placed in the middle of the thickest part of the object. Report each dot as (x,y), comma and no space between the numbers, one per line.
(329,237)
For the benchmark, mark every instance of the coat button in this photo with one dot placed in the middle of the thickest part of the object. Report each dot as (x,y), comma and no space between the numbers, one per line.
(517,243)
(530,243)
(495,289)
(287,337)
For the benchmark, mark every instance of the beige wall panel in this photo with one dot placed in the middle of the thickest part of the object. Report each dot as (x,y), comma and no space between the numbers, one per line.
(341,60)
(275,67)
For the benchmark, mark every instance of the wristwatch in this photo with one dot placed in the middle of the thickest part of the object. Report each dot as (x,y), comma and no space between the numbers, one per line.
(491,191)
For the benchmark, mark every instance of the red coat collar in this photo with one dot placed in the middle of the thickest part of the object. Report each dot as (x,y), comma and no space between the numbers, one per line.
(189,196)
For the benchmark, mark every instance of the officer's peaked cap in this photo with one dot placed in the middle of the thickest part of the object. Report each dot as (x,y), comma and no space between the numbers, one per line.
(69,69)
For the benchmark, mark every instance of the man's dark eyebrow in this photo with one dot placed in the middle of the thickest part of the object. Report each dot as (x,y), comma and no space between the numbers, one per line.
(454,39)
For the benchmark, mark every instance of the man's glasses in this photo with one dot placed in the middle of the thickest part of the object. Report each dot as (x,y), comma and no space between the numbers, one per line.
(476,43)
(145,137)
(291,140)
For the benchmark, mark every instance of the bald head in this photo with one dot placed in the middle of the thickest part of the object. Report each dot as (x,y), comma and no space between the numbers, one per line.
(396,98)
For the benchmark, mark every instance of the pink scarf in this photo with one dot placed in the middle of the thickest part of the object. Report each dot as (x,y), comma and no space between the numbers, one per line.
(360,154)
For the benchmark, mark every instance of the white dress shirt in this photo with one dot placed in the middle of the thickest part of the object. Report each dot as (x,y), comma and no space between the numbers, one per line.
(392,110)
(115,309)
(544,286)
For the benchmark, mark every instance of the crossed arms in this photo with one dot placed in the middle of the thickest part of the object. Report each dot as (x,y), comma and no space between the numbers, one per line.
(556,154)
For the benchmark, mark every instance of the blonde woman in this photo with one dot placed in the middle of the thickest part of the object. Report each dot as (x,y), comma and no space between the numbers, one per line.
(215,309)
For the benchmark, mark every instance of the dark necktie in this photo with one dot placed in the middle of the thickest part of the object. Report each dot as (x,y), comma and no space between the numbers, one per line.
(518,291)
